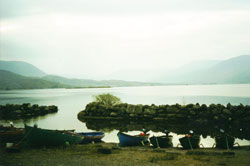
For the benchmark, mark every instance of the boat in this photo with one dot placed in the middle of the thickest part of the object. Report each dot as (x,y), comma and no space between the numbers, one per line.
(224,141)
(161,141)
(11,134)
(190,142)
(129,140)
(44,137)
(89,137)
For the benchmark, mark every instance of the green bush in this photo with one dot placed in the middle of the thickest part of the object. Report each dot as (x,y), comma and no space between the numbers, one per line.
(107,99)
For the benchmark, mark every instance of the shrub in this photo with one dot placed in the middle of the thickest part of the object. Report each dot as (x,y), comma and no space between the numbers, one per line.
(107,99)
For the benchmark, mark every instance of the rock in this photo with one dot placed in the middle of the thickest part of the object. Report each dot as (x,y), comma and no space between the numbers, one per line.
(227,112)
(26,104)
(196,107)
(215,112)
(192,112)
(134,109)
(138,109)
(160,111)
(132,115)
(147,116)
(171,116)
(160,118)
(18,111)
(216,118)
(130,109)
(171,110)
(114,114)
(104,150)
(162,115)
(122,110)
(53,108)
(149,111)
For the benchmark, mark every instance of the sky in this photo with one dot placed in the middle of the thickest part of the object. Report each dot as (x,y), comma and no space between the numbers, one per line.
(113,39)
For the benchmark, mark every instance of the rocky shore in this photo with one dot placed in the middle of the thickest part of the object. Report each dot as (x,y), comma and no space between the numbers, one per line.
(25,111)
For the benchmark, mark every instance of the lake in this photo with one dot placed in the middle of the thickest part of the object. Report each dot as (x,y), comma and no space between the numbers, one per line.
(72,101)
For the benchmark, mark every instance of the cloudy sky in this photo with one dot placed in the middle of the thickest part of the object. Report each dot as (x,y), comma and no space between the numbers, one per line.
(97,39)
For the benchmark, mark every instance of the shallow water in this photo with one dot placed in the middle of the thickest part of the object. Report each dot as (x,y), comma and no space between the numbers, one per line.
(71,101)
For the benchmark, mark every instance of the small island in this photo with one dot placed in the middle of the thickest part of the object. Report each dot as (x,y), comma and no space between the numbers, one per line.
(25,111)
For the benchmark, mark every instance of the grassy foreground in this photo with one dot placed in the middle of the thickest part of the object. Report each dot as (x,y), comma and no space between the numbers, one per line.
(88,155)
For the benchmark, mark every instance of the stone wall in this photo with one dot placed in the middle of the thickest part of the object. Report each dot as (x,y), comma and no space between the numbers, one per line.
(196,113)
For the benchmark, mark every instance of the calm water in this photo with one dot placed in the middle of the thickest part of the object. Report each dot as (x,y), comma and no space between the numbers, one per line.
(71,101)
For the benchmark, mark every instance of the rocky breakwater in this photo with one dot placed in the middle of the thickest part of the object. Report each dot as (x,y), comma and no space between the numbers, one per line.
(229,117)
(181,113)
(25,111)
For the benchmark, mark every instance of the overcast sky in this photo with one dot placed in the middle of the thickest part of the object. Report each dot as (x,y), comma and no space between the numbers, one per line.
(96,38)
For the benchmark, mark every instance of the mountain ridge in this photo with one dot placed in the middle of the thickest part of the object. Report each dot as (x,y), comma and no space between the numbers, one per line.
(233,70)
(88,82)
(21,68)
(10,80)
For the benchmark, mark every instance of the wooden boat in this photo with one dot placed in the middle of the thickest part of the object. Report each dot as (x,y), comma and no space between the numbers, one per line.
(224,141)
(190,142)
(161,141)
(11,134)
(128,140)
(45,137)
(89,137)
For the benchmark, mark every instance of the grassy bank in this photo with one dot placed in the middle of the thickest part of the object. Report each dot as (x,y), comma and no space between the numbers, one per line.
(88,155)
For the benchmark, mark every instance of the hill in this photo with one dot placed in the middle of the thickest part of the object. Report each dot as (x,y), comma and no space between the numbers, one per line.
(94,83)
(234,70)
(9,80)
(22,68)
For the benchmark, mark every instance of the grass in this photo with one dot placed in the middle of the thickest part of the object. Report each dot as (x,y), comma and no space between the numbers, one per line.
(87,155)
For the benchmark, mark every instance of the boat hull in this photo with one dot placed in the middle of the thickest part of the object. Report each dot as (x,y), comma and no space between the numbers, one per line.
(11,134)
(161,142)
(128,140)
(190,142)
(224,142)
(89,137)
(45,137)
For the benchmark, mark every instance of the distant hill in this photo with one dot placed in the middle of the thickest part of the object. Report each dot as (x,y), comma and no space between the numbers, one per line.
(234,70)
(94,83)
(21,68)
(9,80)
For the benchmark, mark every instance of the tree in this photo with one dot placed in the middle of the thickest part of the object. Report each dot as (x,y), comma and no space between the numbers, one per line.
(107,99)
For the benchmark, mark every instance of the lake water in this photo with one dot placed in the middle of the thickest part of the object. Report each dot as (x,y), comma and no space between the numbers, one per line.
(72,101)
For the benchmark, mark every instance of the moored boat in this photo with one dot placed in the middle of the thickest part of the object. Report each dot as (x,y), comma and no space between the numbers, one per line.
(45,137)
(129,140)
(224,141)
(161,141)
(190,141)
(89,137)
(11,134)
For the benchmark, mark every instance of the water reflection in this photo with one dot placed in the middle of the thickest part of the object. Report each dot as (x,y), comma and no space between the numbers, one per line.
(159,126)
